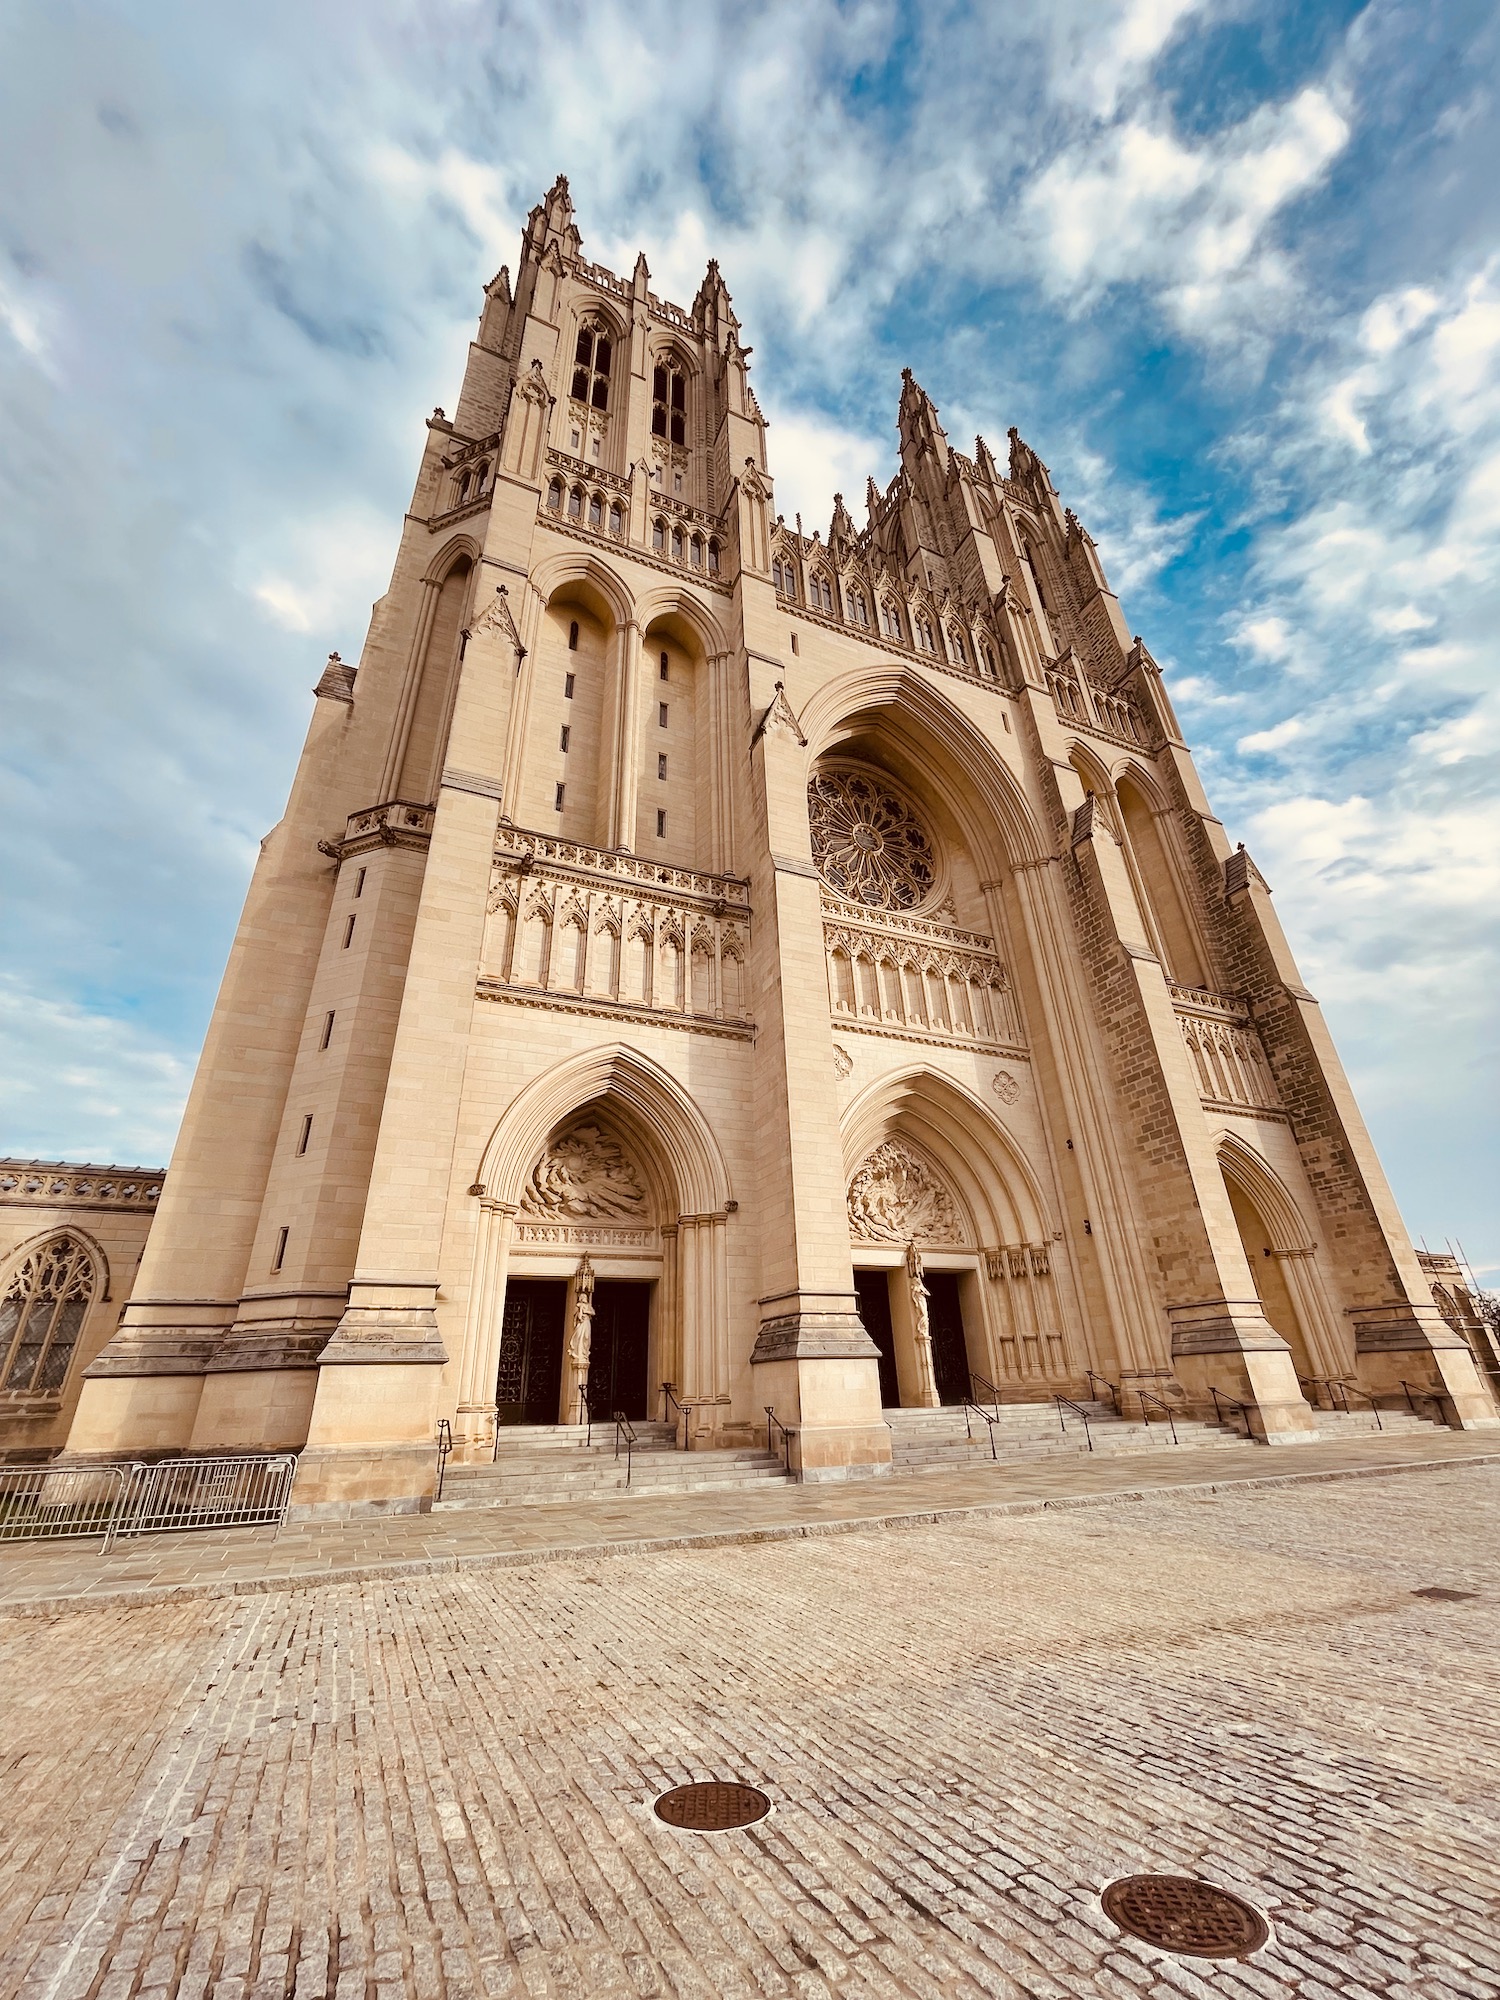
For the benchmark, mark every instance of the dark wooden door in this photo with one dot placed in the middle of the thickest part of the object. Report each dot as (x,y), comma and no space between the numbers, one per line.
(945,1322)
(529,1382)
(618,1352)
(874,1289)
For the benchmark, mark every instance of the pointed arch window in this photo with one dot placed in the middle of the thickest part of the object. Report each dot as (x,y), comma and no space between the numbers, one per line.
(591,360)
(960,650)
(890,620)
(41,1315)
(859,611)
(669,400)
(820,592)
(555,496)
(784,576)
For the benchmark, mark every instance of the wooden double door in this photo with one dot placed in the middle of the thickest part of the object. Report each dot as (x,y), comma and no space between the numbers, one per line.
(533,1337)
(945,1323)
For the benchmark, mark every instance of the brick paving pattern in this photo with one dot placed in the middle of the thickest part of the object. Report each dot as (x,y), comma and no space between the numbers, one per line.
(441,1785)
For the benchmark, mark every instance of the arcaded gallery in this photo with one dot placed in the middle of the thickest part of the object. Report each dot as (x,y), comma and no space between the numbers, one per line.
(774,990)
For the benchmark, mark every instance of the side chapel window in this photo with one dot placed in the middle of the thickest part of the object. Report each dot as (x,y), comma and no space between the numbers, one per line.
(669,401)
(41,1315)
(591,364)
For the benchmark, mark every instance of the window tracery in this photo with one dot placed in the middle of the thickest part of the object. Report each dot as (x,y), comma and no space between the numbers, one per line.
(41,1315)
(669,400)
(591,363)
(868,843)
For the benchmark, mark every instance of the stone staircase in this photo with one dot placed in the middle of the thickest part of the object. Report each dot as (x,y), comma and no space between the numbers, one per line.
(540,1465)
(940,1441)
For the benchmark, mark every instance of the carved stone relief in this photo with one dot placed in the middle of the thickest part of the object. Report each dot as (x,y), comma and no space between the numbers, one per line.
(896,1197)
(584,1174)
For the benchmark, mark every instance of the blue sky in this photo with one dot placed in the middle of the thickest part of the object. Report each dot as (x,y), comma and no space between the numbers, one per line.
(1233,269)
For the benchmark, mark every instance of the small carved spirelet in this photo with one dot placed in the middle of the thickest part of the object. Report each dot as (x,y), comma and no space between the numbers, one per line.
(868,843)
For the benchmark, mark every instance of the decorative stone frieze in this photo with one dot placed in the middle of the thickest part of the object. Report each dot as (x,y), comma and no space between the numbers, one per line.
(53,1184)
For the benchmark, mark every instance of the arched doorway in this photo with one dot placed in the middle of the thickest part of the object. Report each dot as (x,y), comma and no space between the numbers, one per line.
(1283,1265)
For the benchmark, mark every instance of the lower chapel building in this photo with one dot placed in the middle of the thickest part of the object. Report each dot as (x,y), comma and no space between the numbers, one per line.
(805,972)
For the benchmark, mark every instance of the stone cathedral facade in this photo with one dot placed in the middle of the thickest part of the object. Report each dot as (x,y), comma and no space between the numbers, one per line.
(804,971)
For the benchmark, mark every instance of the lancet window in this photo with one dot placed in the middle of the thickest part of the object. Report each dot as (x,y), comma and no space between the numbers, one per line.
(41,1315)
(669,401)
(784,576)
(820,592)
(591,360)
(890,623)
(859,610)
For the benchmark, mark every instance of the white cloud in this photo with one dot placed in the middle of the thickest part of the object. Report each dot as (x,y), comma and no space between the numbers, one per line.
(1264,741)
(815,458)
(1132,203)
(79,1085)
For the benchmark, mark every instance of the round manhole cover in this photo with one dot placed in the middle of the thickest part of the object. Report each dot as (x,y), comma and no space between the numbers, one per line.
(1176,1913)
(714,1807)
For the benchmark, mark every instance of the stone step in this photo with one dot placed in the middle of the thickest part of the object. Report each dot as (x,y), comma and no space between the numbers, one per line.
(546,1482)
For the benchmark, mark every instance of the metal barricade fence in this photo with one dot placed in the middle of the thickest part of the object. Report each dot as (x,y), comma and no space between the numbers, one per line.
(207,1493)
(43,1502)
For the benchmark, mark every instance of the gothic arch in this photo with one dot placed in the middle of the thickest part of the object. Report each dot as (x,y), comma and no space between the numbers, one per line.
(1243,1166)
(1289,1283)
(575,566)
(666,600)
(927,722)
(675,1139)
(448,555)
(997,1189)
(50,1285)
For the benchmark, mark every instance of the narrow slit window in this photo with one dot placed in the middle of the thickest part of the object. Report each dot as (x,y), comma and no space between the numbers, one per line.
(661,714)
(569,681)
(661,764)
(305,1134)
(573,637)
(661,823)
(349,932)
(666,672)
(567,731)
(327,1031)
(359,882)
(280,1258)
(558,801)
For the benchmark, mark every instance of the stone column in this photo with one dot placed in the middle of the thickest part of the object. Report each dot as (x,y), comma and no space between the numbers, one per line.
(813,1362)
(474,1420)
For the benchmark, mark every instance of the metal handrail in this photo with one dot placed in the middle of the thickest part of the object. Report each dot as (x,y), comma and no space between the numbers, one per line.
(1428,1395)
(1067,1403)
(1223,1396)
(626,1434)
(773,1424)
(979,1411)
(1114,1394)
(1147,1397)
(1339,1391)
(669,1395)
(444,1451)
(985,1383)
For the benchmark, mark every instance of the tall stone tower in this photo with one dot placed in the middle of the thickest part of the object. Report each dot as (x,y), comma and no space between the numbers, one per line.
(805,972)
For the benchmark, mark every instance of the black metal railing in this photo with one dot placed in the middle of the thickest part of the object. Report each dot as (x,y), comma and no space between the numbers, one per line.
(444,1452)
(983,1382)
(625,1434)
(972,1410)
(1338,1393)
(773,1425)
(1222,1397)
(670,1400)
(1104,1383)
(1156,1402)
(1067,1403)
(1415,1392)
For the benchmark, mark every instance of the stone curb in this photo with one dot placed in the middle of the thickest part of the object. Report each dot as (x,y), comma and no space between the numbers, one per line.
(790,1531)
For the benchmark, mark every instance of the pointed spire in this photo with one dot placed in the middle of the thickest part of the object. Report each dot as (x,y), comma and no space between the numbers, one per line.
(918,422)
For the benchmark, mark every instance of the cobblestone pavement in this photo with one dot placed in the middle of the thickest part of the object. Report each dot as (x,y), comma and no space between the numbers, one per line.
(46,1573)
(441,1785)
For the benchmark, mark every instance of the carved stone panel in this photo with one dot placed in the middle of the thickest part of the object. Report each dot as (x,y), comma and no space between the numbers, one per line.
(898,1197)
(585,1175)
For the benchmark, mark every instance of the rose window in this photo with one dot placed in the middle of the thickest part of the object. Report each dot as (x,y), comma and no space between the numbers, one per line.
(868,843)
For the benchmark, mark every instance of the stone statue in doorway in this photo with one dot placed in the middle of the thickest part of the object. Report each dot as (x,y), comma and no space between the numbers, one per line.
(580,1341)
(921,1332)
